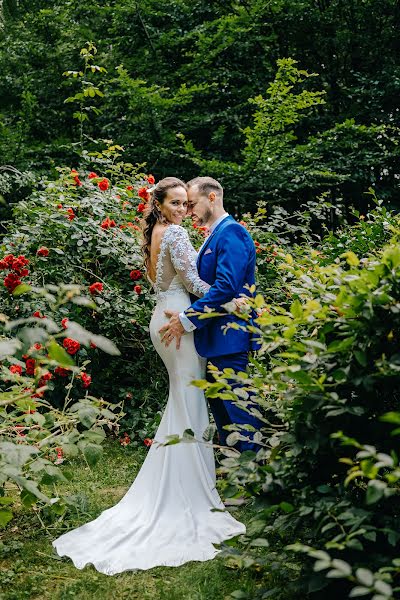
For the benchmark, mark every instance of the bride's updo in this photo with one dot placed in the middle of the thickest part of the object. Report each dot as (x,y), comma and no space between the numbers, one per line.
(152,213)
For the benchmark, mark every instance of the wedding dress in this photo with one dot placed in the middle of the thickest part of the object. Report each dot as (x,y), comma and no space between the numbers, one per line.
(166,516)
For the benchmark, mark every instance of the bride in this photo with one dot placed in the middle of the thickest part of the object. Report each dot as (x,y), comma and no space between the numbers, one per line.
(166,516)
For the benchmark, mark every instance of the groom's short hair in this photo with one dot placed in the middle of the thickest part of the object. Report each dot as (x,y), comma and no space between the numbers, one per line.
(206,185)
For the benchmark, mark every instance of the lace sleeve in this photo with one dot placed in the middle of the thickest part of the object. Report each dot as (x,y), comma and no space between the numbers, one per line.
(183,257)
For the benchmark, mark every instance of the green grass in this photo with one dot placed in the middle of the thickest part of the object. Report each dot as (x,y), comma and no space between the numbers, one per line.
(30,569)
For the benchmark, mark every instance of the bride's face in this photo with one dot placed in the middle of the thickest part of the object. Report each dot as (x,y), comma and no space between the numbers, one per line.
(174,207)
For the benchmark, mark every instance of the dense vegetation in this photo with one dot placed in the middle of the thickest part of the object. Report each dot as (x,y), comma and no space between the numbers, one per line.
(179,78)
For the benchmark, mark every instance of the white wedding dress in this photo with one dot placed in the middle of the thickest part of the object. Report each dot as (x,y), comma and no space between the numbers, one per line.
(166,516)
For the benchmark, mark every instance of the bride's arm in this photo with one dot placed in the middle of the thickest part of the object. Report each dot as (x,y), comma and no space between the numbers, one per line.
(183,257)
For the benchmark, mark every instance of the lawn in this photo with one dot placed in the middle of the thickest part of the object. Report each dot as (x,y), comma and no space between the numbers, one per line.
(30,569)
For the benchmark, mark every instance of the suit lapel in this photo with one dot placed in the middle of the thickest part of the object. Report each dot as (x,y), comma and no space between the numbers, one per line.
(216,230)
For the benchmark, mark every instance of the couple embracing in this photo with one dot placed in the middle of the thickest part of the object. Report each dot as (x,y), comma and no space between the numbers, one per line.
(166,518)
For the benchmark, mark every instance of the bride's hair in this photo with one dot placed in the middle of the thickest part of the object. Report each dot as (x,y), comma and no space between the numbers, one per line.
(152,213)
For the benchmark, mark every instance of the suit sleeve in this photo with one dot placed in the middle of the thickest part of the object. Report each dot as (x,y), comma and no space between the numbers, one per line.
(232,261)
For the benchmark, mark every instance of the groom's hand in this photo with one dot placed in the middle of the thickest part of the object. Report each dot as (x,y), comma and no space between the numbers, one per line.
(172,330)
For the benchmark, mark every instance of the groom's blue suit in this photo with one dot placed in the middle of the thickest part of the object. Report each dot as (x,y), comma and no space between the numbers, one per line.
(227,262)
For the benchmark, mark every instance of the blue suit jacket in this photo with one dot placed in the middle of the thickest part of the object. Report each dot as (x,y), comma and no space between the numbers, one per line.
(227,262)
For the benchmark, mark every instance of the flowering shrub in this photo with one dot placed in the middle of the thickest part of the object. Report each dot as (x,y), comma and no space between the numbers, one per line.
(85,228)
(38,433)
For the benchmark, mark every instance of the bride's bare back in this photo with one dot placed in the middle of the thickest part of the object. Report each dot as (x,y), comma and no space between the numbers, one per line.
(156,237)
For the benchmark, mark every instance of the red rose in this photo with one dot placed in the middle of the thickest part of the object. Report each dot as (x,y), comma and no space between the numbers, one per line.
(37,346)
(16,369)
(141,207)
(30,366)
(135,274)
(143,193)
(104,184)
(129,188)
(92,175)
(71,214)
(71,346)
(59,205)
(38,314)
(96,288)
(61,371)
(93,345)
(256,243)
(107,223)
(11,281)
(64,322)
(77,181)
(138,289)
(147,442)
(151,179)
(43,251)
(86,380)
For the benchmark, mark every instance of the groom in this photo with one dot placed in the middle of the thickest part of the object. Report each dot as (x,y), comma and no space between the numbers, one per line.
(226,261)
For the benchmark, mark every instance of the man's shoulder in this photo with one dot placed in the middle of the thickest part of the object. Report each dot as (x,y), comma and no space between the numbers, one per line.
(231,227)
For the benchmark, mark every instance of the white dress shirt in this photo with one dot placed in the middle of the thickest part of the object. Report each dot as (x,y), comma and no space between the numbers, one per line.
(187,323)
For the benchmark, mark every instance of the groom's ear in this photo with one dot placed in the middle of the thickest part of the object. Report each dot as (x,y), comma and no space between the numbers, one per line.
(212,196)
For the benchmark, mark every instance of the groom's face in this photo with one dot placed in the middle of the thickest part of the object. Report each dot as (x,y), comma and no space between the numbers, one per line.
(199,207)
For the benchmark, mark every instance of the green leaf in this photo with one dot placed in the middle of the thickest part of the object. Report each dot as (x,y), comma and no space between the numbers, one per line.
(5,516)
(21,289)
(375,491)
(92,453)
(87,415)
(365,576)
(296,309)
(57,353)
(359,591)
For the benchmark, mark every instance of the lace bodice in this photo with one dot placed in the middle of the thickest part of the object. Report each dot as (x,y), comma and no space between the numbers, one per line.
(176,265)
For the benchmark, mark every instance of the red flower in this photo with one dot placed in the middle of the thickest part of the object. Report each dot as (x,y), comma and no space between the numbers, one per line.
(92,175)
(107,223)
(46,377)
(151,179)
(74,173)
(71,214)
(143,193)
(59,205)
(147,442)
(38,315)
(37,346)
(125,440)
(77,181)
(104,184)
(135,274)
(64,322)
(141,207)
(43,251)
(86,379)
(129,188)
(256,243)
(96,288)
(93,345)
(11,281)
(61,371)
(138,289)
(16,369)
(71,346)
(30,366)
